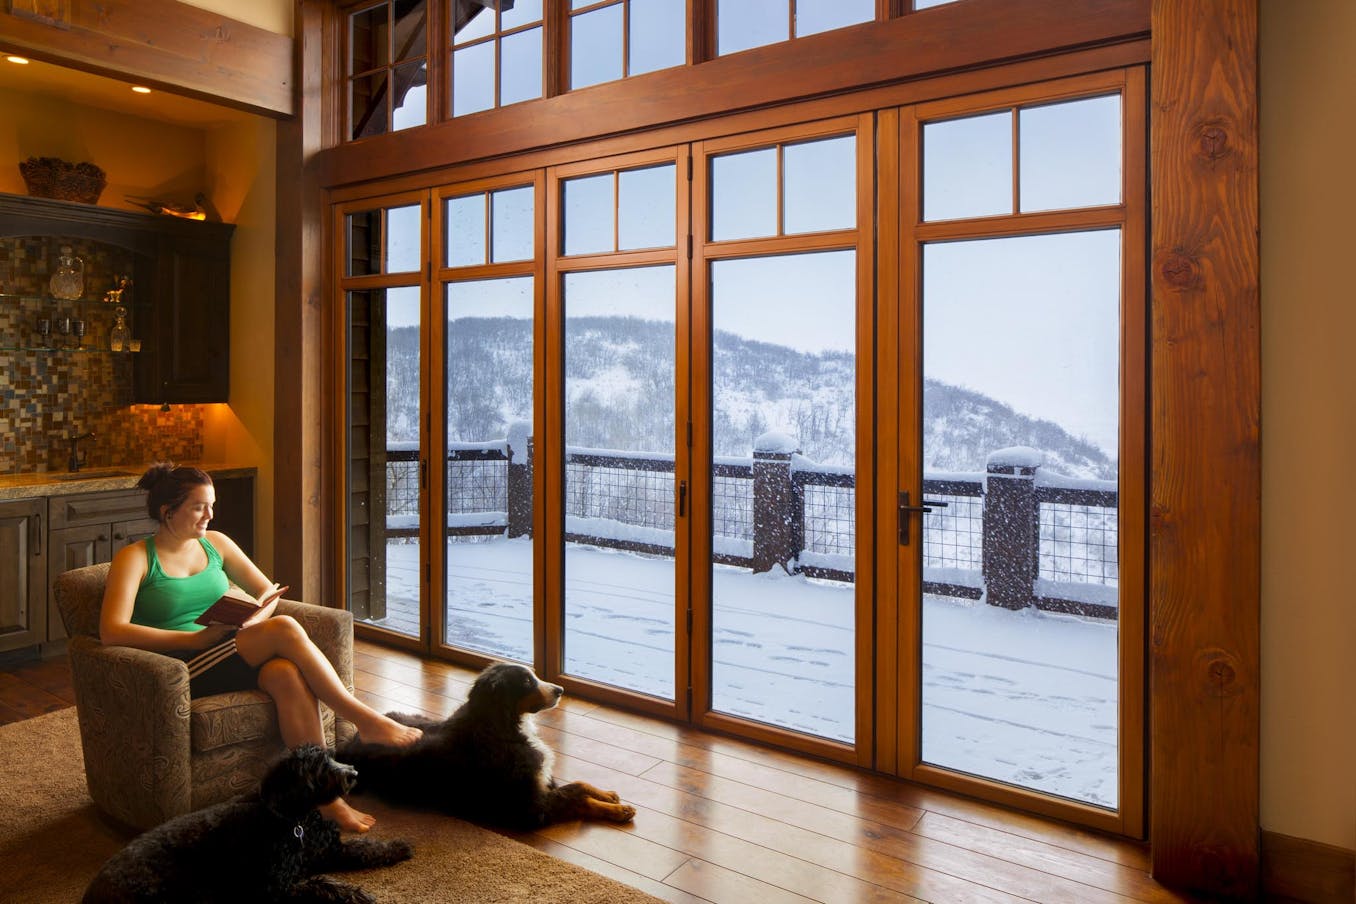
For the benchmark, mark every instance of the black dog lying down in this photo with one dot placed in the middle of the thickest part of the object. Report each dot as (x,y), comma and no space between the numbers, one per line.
(264,847)
(485,762)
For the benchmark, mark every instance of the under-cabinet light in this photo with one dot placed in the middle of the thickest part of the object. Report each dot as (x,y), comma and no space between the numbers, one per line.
(141,89)
(17,59)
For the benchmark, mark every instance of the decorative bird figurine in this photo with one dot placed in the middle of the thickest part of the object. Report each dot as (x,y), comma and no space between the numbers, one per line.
(197,212)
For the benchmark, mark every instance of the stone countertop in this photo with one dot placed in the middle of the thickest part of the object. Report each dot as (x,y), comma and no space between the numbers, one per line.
(96,480)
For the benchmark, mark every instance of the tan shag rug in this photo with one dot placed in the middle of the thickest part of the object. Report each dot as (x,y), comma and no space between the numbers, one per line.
(52,840)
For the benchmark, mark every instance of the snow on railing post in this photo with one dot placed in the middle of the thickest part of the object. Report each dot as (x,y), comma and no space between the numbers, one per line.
(519,481)
(778,509)
(1011,527)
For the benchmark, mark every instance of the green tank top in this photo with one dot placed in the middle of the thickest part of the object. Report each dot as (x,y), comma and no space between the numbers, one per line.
(168,602)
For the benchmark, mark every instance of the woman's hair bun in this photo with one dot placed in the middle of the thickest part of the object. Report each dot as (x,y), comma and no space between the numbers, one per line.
(154,474)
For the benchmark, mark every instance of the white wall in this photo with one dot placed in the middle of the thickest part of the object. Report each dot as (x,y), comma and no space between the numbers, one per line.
(1308,97)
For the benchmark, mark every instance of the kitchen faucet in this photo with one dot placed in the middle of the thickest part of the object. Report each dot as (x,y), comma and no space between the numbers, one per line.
(76,458)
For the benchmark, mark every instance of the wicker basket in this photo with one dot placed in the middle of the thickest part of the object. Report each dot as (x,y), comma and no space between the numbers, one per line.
(52,177)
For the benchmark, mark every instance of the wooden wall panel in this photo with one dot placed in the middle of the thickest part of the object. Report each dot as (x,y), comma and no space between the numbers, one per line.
(163,43)
(1205,496)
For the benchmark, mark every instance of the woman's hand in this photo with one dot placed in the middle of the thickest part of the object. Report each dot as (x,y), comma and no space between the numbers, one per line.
(212,635)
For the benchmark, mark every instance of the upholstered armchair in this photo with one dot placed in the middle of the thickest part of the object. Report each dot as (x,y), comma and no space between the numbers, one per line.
(152,753)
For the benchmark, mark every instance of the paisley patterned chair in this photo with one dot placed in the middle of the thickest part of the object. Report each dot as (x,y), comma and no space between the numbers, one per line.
(150,752)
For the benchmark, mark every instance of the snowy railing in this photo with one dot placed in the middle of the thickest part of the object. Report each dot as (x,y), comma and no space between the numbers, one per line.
(1012,535)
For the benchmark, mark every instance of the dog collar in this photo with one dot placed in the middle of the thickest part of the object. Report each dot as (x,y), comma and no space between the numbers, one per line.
(299,832)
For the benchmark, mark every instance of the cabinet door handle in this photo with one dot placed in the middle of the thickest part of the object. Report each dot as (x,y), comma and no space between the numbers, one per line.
(117,535)
(35,535)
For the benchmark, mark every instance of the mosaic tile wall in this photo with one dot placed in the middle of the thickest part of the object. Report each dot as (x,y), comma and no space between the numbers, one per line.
(57,386)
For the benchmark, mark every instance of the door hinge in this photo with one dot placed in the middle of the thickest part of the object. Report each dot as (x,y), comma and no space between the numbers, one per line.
(682,504)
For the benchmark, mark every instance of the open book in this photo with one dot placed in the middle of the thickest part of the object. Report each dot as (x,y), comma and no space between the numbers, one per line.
(236,607)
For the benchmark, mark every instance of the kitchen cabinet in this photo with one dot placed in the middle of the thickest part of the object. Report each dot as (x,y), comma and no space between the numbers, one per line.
(180,292)
(88,528)
(23,573)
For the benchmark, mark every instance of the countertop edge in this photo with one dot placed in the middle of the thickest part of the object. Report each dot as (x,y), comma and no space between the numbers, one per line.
(52,483)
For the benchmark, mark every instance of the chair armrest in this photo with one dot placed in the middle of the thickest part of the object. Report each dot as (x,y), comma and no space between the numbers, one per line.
(133,708)
(332,631)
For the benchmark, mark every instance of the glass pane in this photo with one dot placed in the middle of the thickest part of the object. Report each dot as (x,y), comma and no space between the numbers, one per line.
(524,12)
(369,40)
(814,16)
(1071,154)
(490,466)
(513,224)
(924,4)
(403,239)
(363,252)
(820,185)
(411,18)
(967,167)
(473,79)
(479,25)
(384,453)
(367,105)
(411,96)
(744,195)
(646,211)
(522,67)
(596,47)
(1021,417)
(588,214)
(465,224)
(741,24)
(620,337)
(784,438)
(658,35)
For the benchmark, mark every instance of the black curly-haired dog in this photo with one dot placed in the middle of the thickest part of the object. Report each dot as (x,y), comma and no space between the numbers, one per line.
(270,846)
(485,762)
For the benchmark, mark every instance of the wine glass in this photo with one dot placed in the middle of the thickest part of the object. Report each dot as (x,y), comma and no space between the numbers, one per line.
(78,326)
(63,325)
(44,330)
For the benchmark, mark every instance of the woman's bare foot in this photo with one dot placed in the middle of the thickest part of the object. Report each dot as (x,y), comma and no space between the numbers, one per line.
(349,819)
(385,730)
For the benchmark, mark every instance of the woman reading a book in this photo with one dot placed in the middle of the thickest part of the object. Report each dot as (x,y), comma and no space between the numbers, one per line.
(159,586)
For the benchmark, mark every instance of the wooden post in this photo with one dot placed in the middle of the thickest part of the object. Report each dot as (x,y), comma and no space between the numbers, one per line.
(1011,528)
(1205,490)
(778,506)
(519,491)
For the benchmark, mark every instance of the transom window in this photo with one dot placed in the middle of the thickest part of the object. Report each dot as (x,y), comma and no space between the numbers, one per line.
(744,24)
(387,68)
(496,53)
(617,38)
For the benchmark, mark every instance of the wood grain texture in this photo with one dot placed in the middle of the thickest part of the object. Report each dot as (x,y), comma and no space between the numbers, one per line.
(1204,584)
(167,44)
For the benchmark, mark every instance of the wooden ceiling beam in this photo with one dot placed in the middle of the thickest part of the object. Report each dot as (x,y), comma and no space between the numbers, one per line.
(160,43)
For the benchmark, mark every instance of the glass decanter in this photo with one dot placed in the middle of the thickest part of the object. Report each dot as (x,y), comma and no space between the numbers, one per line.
(69,279)
(120,334)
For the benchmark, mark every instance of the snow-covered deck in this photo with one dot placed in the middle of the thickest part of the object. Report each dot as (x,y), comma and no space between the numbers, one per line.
(1023,697)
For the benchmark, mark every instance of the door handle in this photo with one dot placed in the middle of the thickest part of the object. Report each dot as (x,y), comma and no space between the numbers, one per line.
(682,498)
(905,512)
(35,535)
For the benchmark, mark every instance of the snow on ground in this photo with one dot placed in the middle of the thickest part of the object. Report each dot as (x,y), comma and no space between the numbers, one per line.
(1027,697)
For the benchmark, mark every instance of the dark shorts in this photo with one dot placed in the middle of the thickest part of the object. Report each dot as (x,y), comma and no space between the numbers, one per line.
(217,670)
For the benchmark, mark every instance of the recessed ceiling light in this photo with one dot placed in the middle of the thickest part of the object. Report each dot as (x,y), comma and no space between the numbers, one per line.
(141,89)
(17,59)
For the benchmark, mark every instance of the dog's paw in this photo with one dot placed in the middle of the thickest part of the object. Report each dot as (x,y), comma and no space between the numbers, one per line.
(611,797)
(623,813)
(399,850)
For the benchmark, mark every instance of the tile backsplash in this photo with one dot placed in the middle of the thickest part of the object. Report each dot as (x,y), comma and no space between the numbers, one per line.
(51,390)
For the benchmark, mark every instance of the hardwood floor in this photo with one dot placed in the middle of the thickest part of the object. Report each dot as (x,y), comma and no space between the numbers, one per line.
(722,820)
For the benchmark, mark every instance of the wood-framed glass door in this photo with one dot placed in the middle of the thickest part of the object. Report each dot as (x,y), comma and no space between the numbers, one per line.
(616,458)
(783,283)
(381,245)
(1017,451)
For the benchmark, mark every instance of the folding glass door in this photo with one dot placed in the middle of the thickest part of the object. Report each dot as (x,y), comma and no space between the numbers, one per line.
(1021,465)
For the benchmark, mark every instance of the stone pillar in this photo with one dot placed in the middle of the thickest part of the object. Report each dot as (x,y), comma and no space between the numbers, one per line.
(520,461)
(1011,527)
(778,505)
